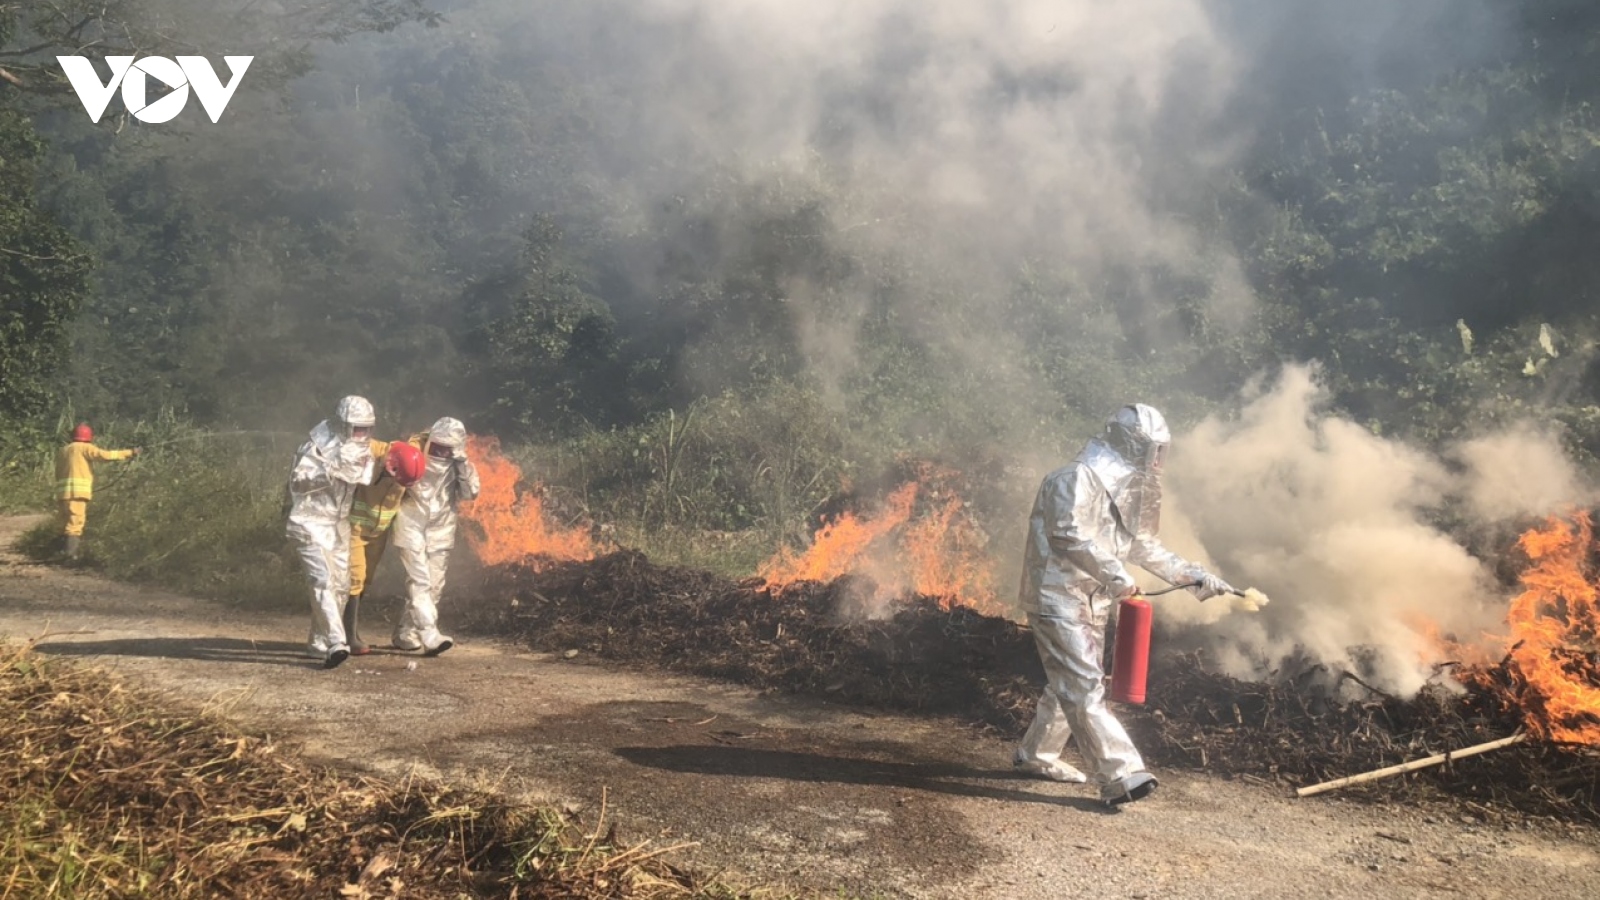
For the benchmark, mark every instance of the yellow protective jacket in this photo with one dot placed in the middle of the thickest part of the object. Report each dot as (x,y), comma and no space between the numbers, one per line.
(376,503)
(74,475)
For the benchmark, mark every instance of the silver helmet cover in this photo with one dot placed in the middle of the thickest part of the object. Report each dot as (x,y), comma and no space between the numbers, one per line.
(354,412)
(1139,434)
(449,432)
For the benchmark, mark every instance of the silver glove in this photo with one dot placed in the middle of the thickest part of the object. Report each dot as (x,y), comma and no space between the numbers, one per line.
(1121,587)
(1212,586)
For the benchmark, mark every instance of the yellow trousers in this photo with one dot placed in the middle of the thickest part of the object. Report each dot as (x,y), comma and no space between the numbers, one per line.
(74,515)
(365,552)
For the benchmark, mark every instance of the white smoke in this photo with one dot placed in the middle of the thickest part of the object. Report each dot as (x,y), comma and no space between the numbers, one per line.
(958,154)
(951,147)
(987,129)
(1519,472)
(1332,521)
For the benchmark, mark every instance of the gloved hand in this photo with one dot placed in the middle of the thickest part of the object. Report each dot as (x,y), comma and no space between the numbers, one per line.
(1121,586)
(1212,586)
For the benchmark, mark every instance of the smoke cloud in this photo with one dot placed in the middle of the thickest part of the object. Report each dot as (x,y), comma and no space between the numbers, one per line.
(1333,522)
(964,147)
(955,154)
(1520,473)
(957,150)
(951,148)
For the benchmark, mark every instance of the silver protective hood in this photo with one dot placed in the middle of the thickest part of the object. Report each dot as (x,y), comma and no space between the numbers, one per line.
(449,432)
(354,412)
(1138,434)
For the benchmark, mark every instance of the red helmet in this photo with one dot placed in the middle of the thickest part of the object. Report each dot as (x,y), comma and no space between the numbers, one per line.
(83,432)
(404,463)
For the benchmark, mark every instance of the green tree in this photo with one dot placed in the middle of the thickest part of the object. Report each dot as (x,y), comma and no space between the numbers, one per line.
(541,352)
(43,271)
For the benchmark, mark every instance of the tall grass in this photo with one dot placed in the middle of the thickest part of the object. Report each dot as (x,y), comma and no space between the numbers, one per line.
(739,461)
(198,511)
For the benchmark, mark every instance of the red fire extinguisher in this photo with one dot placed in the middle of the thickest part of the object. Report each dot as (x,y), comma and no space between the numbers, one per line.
(1131,662)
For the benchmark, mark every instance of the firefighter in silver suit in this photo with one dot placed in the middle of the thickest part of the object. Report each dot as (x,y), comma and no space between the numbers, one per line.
(1091,519)
(328,467)
(425,533)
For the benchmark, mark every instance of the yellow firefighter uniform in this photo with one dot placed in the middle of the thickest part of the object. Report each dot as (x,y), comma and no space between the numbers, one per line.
(370,519)
(75,481)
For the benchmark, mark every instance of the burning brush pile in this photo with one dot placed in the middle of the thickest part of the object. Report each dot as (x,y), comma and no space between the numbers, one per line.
(815,624)
(808,638)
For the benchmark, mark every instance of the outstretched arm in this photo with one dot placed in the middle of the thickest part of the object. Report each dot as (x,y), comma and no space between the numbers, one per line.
(95,454)
(1154,557)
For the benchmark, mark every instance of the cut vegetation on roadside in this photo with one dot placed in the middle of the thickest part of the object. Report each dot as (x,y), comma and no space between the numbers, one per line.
(109,791)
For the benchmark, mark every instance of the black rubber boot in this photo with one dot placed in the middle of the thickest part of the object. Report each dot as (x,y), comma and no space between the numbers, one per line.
(74,546)
(352,614)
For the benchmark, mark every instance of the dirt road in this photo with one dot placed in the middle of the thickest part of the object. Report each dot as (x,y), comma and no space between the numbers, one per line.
(774,788)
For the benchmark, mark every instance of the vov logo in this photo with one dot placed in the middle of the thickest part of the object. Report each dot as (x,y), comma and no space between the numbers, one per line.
(180,76)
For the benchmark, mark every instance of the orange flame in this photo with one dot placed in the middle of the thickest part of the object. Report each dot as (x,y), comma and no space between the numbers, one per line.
(938,552)
(946,551)
(1555,633)
(514,529)
(839,546)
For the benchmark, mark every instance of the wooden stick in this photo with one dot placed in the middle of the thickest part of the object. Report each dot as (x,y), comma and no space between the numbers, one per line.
(1409,766)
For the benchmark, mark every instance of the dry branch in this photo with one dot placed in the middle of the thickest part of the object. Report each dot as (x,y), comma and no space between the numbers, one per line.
(1414,765)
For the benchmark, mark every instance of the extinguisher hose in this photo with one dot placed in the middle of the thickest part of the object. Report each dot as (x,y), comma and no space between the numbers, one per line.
(1179,587)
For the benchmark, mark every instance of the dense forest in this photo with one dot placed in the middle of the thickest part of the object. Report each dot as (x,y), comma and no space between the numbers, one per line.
(823,234)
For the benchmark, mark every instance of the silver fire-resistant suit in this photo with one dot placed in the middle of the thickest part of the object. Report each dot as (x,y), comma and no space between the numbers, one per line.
(425,532)
(1090,519)
(327,469)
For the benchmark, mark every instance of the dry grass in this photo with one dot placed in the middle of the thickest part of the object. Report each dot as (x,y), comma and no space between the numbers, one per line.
(106,791)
